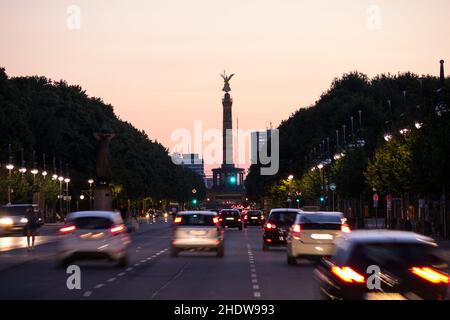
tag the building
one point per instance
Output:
(191, 161)
(260, 144)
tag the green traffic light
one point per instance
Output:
(194, 201)
(233, 179)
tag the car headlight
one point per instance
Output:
(6, 221)
(23, 220)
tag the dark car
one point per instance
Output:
(383, 265)
(277, 227)
(253, 218)
(13, 218)
(230, 218)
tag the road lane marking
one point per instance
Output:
(254, 280)
(257, 294)
(121, 274)
(129, 269)
(255, 287)
(137, 264)
(99, 286)
(87, 293)
(111, 279)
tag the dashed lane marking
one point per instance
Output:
(87, 293)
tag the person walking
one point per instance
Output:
(31, 227)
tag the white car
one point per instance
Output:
(313, 235)
(92, 235)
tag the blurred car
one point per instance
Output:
(409, 267)
(94, 235)
(231, 218)
(13, 218)
(253, 218)
(277, 227)
(198, 230)
(313, 235)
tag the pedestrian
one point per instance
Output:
(31, 227)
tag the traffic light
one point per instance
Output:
(322, 200)
(194, 201)
(233, 179)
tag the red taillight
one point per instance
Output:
(220, 219)
(216, 220)
(347, 274)
(117, 229)
(239, 219)
(345, 228)
(246, 217)
(177, 220)
(270, 226)
(296, 228)
(67, 229)
(430, 275)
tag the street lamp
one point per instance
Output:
(388, 137)
(90, 181)
(291, 177)
(9, 166)
(418, 125)
(67, 180)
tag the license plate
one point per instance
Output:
(384, 296)
(92, 235)
(230, 218)
(254, 218)
(318, 236)
(281, 238)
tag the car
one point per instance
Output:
(313, 234)
(197, 230)
(406, 265)
(277, 226)
(13, 218)
(94, 235)
(231, 218)
(254, 218)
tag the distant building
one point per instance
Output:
(259, 141)
(191, 161)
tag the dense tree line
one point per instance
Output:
(415, 162)
(60, 120)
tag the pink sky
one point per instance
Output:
(158, 62)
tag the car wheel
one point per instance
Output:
(122, 262)
(220, 252)
(173, 252)
(265, 247)
(292, 261)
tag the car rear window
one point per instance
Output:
(283, 218)
(230, 213)
(197, 220)
(93, 223)
(254, 213)
(321, 222)
(394, 255)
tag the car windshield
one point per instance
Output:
(197, 220)
(394, 255)
(283, 218)
(92, 223)
(13, 211)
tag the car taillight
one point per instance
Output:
(216, 220)
(117, 229)
(347, 274)
(246, 217)
(239, 219)
(430, 275)
(67, 229)
(345, 228)
(177, 220)
(296, 228)
(220, 219)
(270, 226)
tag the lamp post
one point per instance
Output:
(67, 180)
(22, 169)
(34, 171)
(60, 179)
(90, 181)
(290, 178)
(44, 172)
(9, 166)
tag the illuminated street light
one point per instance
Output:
(60, 178)
(54, 176)
(418, 125)
(291, 177)
(66, 180)
(23, 170)
(404, 131)
(82, 197)
(320, 166)
(34, 171)
(9, 166)
(44, 173)
(337, 156)
(388, 137)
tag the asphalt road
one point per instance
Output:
(245, 272)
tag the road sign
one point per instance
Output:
(376, 197)
(332, 187)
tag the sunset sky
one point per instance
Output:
(158, 62)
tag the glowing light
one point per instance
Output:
(430, 275)
(348, 274)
